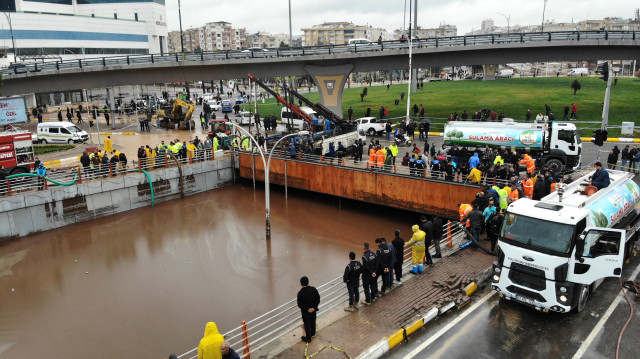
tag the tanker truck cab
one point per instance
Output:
(565, 147)
(554, 252)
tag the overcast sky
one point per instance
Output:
(273, 15)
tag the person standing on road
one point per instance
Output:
(574, 111)
(388, 129)
(359, 149)
(427, 227)
(385, 263)
(369, 276)
(308, 301)
(632, 156)
(398, 245)
(69, 117)
(624, 157)
(350, 113)
(417, 240)
(108, 147)
(476, 219)
(494, 223)
(60, 115)
(394, 152)
(437, 235)
(352, 278)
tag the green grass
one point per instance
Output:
(41, 149)
(511, 96)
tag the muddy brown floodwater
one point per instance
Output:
(143, 284)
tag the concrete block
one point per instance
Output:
(112, 183)
(137, 201)
(446, 307)
(92, 187)
(415, 326)
(224, 176)
(100, 204)
(121, 200)
(396, 338)
(375, 351)
(431, 314)
(20, 222)
(211, 180)
(133, 179)
(63, 192)
(39, 219)
(209, 166)
(172, 172)
(5, 226)
(470, 289)
(10, 203)
(36, 198)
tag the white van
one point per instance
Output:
(506, 73)
(581, 71)
(290, 118)
(61, 132)
(361, 45)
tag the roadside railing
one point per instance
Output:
(256, 334)
(466, 40)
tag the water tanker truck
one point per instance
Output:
(557, 144)
(554, 253)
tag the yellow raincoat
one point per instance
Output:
(209, 347)
(418, 244)
(108, 147)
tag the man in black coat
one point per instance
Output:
(352, 278)
(369, 275)
(398, 245)
(438, 230)
(308, 301)
(427, 227)
(385, 263)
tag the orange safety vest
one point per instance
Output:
(380, 155)
(514, 195)
(553, 187)
(372, 156)
(529, 162)
(464, 210)
(527, 188)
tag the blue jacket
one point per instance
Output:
(292, 150)
(332, 150)
(41, 171)
(473, 161)
(601, 179)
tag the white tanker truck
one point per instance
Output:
(554, 252)
(556, 144)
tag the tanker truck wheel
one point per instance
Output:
(583, 296)
(555, 165)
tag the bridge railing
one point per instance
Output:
(466, 40)
(254, 335)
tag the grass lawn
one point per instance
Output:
(40, 149)
(511, 96)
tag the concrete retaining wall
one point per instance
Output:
(60, 206)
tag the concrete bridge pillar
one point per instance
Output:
(330, 81)
(489, 72)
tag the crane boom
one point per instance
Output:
(293, 107)
(318, 107)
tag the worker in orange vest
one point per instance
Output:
(527, 186)
(380, 157)
(464, 209)
(372, 156)
(514, 195)
(554, 185)
(529, 162)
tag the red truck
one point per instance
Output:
(16, 152)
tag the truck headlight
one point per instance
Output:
(563, 298)
(497, 270)
(563, 289)
(496, 278)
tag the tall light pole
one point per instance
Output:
(508, 21)
(267, 164)
(13, 41)
(180, 18)
(290, 31)
(544, 8)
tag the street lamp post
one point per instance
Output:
(267, 164)
(180, 18)
(508, 22)
(544, 8)
(13, 41)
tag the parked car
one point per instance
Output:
(244, 117)
(215, 105)
(371, 125)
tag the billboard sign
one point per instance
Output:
(13, 110)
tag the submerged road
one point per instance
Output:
(490, 327)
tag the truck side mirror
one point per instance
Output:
(580, 247)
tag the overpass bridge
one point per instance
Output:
(328, 65)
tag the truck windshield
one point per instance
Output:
(536, 233)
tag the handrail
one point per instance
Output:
(464, 40)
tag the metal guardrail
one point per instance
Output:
(470, 40)
(257, 333)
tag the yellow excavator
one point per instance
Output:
(180, 114)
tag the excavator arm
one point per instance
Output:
(293, 107)
(176, 113)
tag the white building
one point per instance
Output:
(70, 29)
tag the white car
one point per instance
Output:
(371, 125)
(215, 105)
(244, 117)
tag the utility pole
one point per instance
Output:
(414, 81)
(607, 97)
(290, 31)
(544, 8)
(180, 18)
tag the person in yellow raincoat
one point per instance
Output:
(191, 150)
(209, 347)
(418, 248)
(108, 147)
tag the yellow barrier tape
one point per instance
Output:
(307, 356)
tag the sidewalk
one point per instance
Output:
(356, 332)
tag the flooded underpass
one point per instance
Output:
(144, 283)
